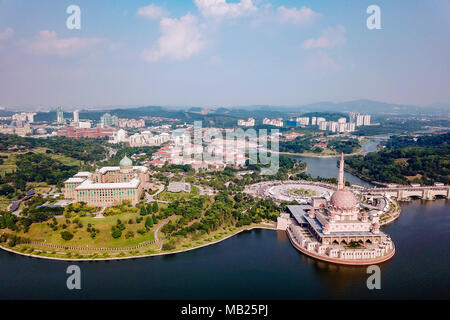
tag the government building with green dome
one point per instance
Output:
(109, 185)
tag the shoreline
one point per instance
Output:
(135, 257)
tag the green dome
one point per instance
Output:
(126, 162)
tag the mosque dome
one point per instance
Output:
(343, 199)
(126, 162)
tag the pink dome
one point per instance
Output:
(364, 214)
(343, 199)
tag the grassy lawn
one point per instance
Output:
(68, 161)
(9, 164)
(39, 187)
(42, 232)
(4, 203)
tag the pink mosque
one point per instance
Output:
(338, 230)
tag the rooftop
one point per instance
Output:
(107, 169)
(89, 184)
(74, 180)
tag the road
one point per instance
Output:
(150, 197)
(159, 228)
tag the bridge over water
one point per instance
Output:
(407, 192)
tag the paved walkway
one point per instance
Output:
(150, 197)
(99, 214)
(159, 228)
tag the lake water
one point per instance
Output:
(258, 264)
(328, 167)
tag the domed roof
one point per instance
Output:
(344, 199)
(126, 162)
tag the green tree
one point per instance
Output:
(66, 235)
(116, 233)
(149, 222)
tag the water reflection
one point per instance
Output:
(281, 236)
(328, 167)
(341, 277)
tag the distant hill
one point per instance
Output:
(271, 111)
(362, 105)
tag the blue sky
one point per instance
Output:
(222, 53)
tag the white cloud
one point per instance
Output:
(221, 9)
(48, 43)
(8, 33)
(180, 39)
(294, 15)
(330, 38)
(152, 12)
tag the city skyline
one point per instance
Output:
(222, 53)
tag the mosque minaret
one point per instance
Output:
(338, 230)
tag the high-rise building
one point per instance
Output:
(351, 127)
(76, 116)
(313, 121)
(359, 120)
(108, 120)
(366, 120)
(24, 117)
(332, 126)
(303, 121)
(249, 123)
(273, 122)
(322, 125)
(60, 115)
(342, 120)
(320, 119)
